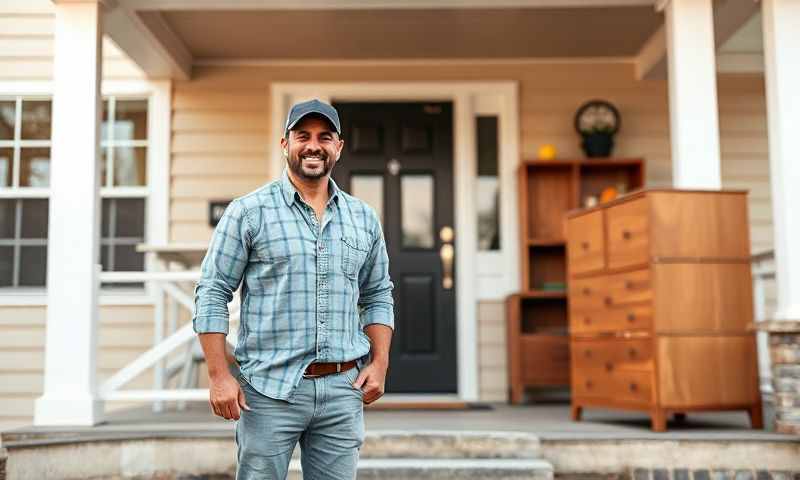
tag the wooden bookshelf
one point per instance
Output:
(538, 341)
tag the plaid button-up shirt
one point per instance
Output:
(307, 290)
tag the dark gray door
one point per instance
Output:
(398, 157)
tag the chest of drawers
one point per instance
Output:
(660, 300)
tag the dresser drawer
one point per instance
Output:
(545, 359)
(631, 317)
(587, 294)
(585, 245)
(628, 234)
(627, 288)
(613, 354)
(625, 386)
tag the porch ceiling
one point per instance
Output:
(410, 33)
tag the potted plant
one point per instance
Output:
(597, 121)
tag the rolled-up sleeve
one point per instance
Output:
(375, 303)
(222, 270)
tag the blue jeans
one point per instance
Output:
(327, 418)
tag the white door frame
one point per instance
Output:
(469, 99)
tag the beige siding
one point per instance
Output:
(125, 332)
(26, 46)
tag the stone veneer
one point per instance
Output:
(784, 350)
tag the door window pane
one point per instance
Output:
(6, 166)
(130, 166)
(130, 120)
(416, 191)
(34, 218)
(8, 117)
(368, 188)
(34, 167)
(36, 119)
(127, 259)
(33, 266)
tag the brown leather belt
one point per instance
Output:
(320, 369)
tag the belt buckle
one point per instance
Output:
(338, 368)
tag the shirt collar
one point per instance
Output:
(290, 193)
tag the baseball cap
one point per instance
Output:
(300, 110)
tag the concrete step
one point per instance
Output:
(450, 444)
(444, 468)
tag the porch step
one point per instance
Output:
(445, 468)
(450, 444)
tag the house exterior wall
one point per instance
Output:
(220, 149)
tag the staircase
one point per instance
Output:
(399, 455)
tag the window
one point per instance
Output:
(25, 132)
(488, 188)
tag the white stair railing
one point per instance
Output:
(167, 338)
(763, 270)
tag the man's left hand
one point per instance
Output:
(372, 381)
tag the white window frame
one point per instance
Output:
(159, 95)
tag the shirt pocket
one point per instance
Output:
(354, 254)
(269, 265)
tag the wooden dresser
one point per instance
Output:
(660, 299)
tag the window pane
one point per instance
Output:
(6, 166)
(130, 164)
(6, 266)
(8, 218)
(130, 217)
(105, 212)
(417, 211)
(34, 218)
(130, 120)
(105, 122)
(127, 259)
(369, 188)
(34, 167)
(488, 191)
(36, 119)
(33, 266)
(7, 119)
(105, 260)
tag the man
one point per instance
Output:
(317, 314)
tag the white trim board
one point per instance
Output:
(469, 99)
(373, 4)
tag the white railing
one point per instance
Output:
(168, 337)
(763, 267)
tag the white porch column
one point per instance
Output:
(694, 124)
(69, 385)
(782, 71)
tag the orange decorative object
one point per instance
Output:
(608, 194)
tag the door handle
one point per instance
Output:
(447, 253)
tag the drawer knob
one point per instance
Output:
(585, 245)
(608, 301)
(586, 291)
(609, 366)
(626, 234)
(589, 384)
(631, 317)
(634, 387)
(587, 320)
(632, 353)
(628, 285)
(587, 353)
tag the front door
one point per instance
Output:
(398, 157)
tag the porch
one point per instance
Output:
(607, 444)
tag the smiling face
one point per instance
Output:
(312, 148)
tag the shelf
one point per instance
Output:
(546, 242)
(545, 333)
(543, 294)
